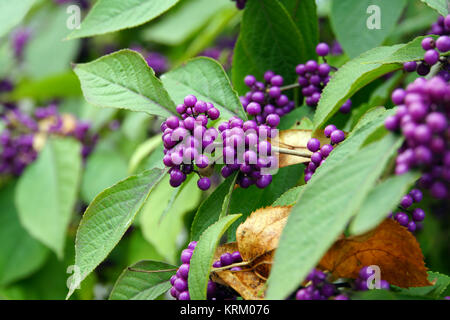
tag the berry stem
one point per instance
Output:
(292, 152)
(239, 264)
(290, 86)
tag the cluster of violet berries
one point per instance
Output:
(186, 140)
(17, 140)
(240, 4)
(417, 214)
(247, 150)
(265, 101)
(422, 117)
(320, 153)
(318, 288)
(433, 49)
(313, 78)
(179, 281)
(364, 274)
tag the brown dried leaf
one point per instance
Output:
(256, 239)
(296, 139)
(261, 231)
(390, 246)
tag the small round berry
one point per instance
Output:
(311, 66)
(326, 150)
(418, 214)
(190, 100)
(384, 285)
(402, 218)
(365, 273)
(398, 96)
(346, 106)
(407, 201)
(428, 43)
(184, 270)
(186, 255)
(268, 75)
(213, 113)
(184, 295)
(263, 181)
(273, 120)
(391, 123)
(431, 57)
(322, 49)
(416, 194)
(411, 226)
(443, 44)
(249, 80)
(254, 108)
(329, 130)
(204, 183)
(236, 257)
(200, 107)
(313, 144)
(337, 136)
(277, 81)
(226, 259)
(423, 69)
(410, 66)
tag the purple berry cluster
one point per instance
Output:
(20, 139)
(240, 4)
(320, 153)
(265, 101)
(422, 118)
(215, 291)
(365, 273)
(318, 288)
(417, 214)
(313, 77)
(188, 140)
(247, 150)
(433, 50)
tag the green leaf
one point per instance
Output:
(45, 208)
(106, 220)
(353, 143)
(213, 207)
(245, 201)
(133, 285)
(206, 79)
(440, 6)
(351, 20)
(383, 198)
(202, 259)
(20, 254)
(290, 197)
(270, 40)
(143, 151)
(12, 14)
(322, 212)
(62, 85)
(114, 15)
(359, 72)
(47, 53)
(124, 80)
(178, 25)
(435, 291)
(104, 167)
(161, 218)
(304, 15)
